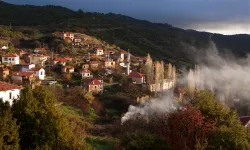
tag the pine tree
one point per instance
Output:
(9, 135)
(42, 126)
(149, 69)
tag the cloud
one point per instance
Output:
(196, 14)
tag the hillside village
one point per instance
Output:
(84, 80)
(98, 67)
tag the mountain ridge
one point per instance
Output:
(163, 41)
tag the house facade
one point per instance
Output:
(77, 41)
(23, 77)
(38, 59)
(67, 69)
(24, 67)
(86, 73)
(11, 58)
(99, 51)
(94, 86)
(159, 87)
(9, 92)
(136, 77)
(39, 73)
(60, 60)
(109, 64)
(40, 50)
(94, 65)
(68, 35)
(85, 66)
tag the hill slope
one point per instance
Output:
(161, 40)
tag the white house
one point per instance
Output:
(68, 35)
(9, 92)
(40, 50)
(4, 48)
(136, 78)
(86, 73)
(39, 73)
(161, 86)
(10, 58)
(99, 51)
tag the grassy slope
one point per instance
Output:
(97, 143)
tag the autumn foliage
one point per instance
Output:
(186, 127)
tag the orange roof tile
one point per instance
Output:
(10, 55)
(60, 59)
(23, 74)
(35, 69)
(135, 75)
(4, 86)
(86, 71)
(95, 82)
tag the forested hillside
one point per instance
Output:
(161, 40)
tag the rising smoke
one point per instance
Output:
(227, 76)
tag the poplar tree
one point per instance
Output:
(169, 71)
(174, 75)
(191, 81)
(149, 69)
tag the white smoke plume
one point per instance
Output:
(150, 107)
(227, 76)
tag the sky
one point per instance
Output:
(216, 16)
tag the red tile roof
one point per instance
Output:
(23, 74)
(10, 55)
(181, 90)
(35, 69)
(60, 59)
(95, 82)
(99, 48)
(4, 86)
(67, 57)
(85, 71)
(135, 75)
(244, 120)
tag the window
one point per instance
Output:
(41, 73)
(10, 95)
(95, 87)
(5, 59)
(13, 59)
(9, 59)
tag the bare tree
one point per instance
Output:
(169, 71)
